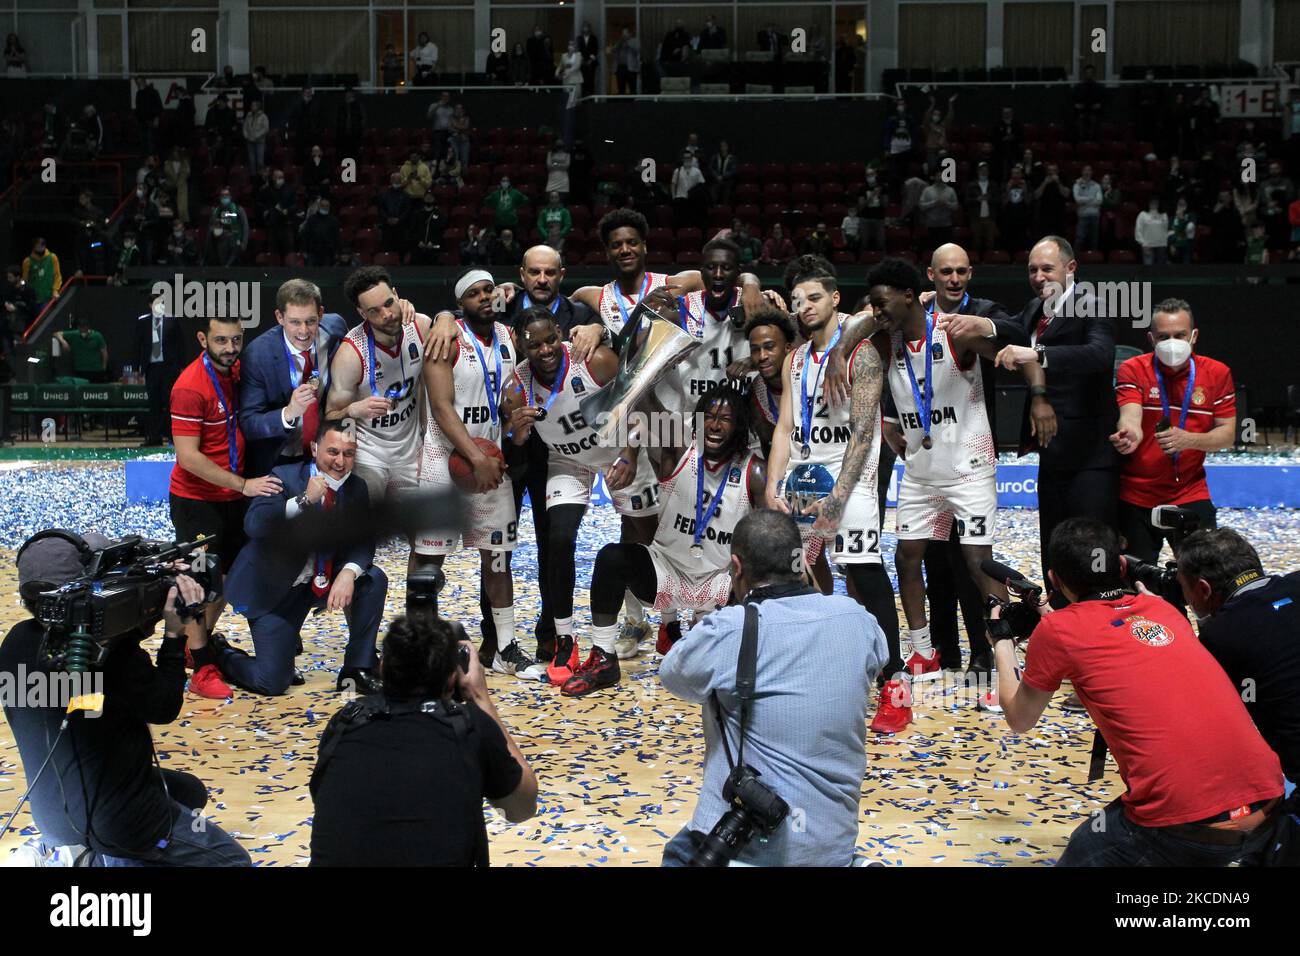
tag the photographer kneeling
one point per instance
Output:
(1250, 622)
(401, 776)
(794, 713)
(92, 773)
(1203, 786)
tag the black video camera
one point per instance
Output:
(1162, 580)
(422, 590)
(753, 807)
(121, 593)
(1020, 615)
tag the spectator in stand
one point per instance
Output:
(180, 249)
(504, 204)
(1246, 200)
(176, 174)
(347, 259)
(261, 82)
(128, 257)
(394, 206)
(712, 37)
(221, 125)
(305, 124)
(936, 132)
(589, 47)
(982, 195)
(1014, 216)
(900, 139)
(89, 351)
(1176, 182)
(1227, 235)
(554, 213)
(938, 205)
(688, 210)
(15, 56)
(872, 208)
(1276, 180)
(230, 215)
(54, 126)
(93, 125)
(818, 242)
(476, 247)
(569, 73)
(349, 126)
(221, 248)
(416, 176)
(140, 215)
(1049, 199)
(554, 239)
(19, 307)
(1087, 100)
(771, 40)
(913, 186)
(1111, 201)
(148, 112)
(674, 49)
(750, 248)
(227, 79)
(1257, 245)
(427, 228)
(518, 66)
(256, 127)
(1008, 141)
(558, 161)
(424, 61)
(851, 228)
(439, 115)
(693, 147)
(1033, 170)
(506, 251)
(1182, 233)
(88, 254)
(449, 171)
(1151, 233)
(41, 272)
(317, 174)
(390, 66)
(627, 61)
(541, 58)
(277, 205)
(722, 174)
(321, 236)
(496, 69)
(778, 250)
(1087, 201)
(460, 127)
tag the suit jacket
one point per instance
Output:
(265, 387)
(1080, 370)
(266, 569)
(173, 342)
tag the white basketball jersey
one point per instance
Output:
(721, 344)
(471, 398)
(766, 401)
(564, 429)
(676, 532)
(608, 304)
(394, 436)
(962, 443)
(830, 426)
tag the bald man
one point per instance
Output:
(541, 273)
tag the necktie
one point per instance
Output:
(325, 567)
(156, 355)
(1043, 323)
(311, 417)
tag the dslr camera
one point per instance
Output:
(1162, 580)
(122, 592)
(754, 807)
(422, 589)
(1018, 616)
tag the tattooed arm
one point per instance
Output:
(866, 377)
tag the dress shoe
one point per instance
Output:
(298, 680)
(217, 641)
(359, 680)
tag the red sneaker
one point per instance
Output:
(189, 659)
(924, 668)
(989, 702)
(894, 710)
(669, 634)
(207, 682)
(599, 670)
(565, 661)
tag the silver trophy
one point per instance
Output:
(654, 343)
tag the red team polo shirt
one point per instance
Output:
(1184, 742)
(1148, 476)
(195, 412)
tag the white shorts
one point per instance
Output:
(570, 483)
(490, 524)
(857, 541)
(679, 589)
(383, 479)
(928, 511)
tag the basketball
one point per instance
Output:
(462, 474)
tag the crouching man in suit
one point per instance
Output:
(276, 596)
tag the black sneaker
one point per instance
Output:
(512, 660)
(598, 671)
(565, 662)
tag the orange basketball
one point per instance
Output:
(462, 475)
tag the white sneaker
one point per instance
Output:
(512, 660)
(628, 643)
(989, 702)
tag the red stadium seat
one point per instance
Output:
(843, 258)
(690, 237)
(295, 260)
(688, 257)
(747, 193)
(747, 173)
(719, 217)
(266, 259)
(387, 259)
(658, 259)
(1092, 258)
(997, 257)
(449, 259)
(872, 256)
(594, 259)
(659, 236)
(803, 193)
(1021, 257)
(746, 213)
(580, 215)
(366, 240)
(772, 172)
(1122, 257)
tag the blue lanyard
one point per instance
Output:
(393, 391)
(295, 377)
(1187, 395)
(923, 402)
(965, 300)
(702, 517)
(528, 303)
(232, 429)
(557, 386)
(808, 400)
(618, 299)
(320, 555)
(491, 380)
(772, 405)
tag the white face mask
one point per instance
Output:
(158, 310)
(1173, 352)
(334, 483)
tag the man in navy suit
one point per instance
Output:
(276, 594)
(1068, 417)
(159, 356)
(284, 378)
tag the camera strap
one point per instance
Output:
(746, 676)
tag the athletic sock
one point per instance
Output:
(668, 616)
(920, 638)
(635, 609)
(504, 620)
(563, 627)
(604, 637)
(203, 655)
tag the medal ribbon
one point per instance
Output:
(702, 517)
(965, 300)
(370, 343)
(618, 298)
(491, 380)
(1187, 397)
(923, 402)
(808, 400)
(557, 386)
(232, 428)
(528, 303)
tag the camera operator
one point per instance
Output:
(805, 732)
(1249, 621)
(100, 788)
(1203, 786)
(400, 778)
(1173, 408)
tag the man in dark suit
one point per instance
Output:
(1068, 417)
(159, 354)
(771, 40)
(276, 594)
(284, 378)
